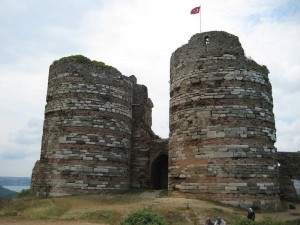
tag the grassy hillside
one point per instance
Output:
(6, 193)
(111, 209)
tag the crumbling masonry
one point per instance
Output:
(222, 128)
(97, 133)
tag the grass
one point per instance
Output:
(35, 208)
(113, 208)
(107, 216)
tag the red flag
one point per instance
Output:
(195, 10)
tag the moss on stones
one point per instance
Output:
(82, 59)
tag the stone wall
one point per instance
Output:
(89, 135)
(141, 136)
(39, 178)
(222, 129)
(289, 169)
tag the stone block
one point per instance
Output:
(223, 154)
(211, 134)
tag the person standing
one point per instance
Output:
(251, 214)
(219, 221)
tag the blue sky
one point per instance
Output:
(137, 37)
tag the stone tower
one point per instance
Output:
(222, 129)
(97, 131)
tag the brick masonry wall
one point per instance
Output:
(39, 178)
(222, 129)
(86, 141)
(141, 137)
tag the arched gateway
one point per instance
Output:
(159, 172)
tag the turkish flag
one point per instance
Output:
(195, 10)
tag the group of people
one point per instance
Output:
(219, 221)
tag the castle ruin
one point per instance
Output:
(222, 129)
(97, 133)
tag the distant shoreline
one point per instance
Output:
(16, 188)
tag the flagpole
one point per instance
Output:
(200, 18)
(197, 10)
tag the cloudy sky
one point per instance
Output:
(137, 37)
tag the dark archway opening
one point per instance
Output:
(159, 172)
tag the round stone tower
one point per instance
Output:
(222, 129)
(87, 129)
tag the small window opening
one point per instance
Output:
(206, 40)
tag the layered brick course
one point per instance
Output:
(222, 129)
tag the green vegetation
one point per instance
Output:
(144, 216)
(107, 216)
(295, 222)
(26, 193)
(77, 58)
(49, 211)
(6, 193)
(99, 64)
(135, 205)
(265, 221)
(3, 202)
(28, 206)
(97, 215)
(269, 221)
(243, 221)
(82, 59)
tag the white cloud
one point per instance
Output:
(288, 131)
(21, 149)
(17, 167)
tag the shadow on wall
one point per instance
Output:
(159, 172)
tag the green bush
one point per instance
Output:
(77, 58)
(82, 59)
(143, 217)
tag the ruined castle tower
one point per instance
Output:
(96, 133)
(222, 128)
